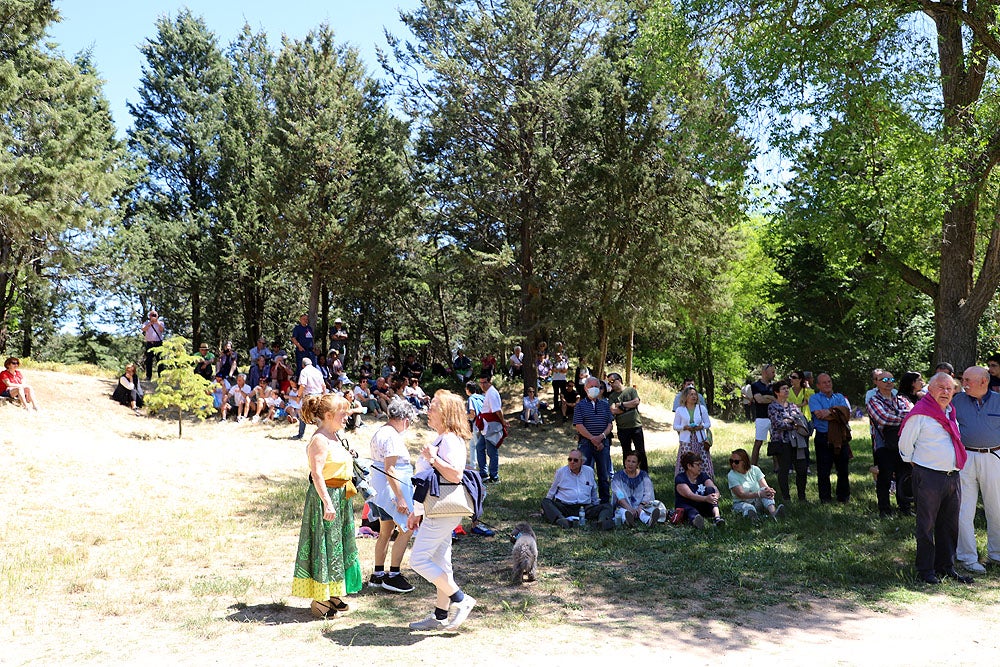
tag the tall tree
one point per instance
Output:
(178, 123)
(58, 168)
(897, 101)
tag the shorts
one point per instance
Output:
(377, 512)
(763, 428)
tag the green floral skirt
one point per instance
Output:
(326, 564)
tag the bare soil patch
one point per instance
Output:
(120, 544)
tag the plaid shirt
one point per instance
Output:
(888, 411)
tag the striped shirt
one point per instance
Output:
(594, 415)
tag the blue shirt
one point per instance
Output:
(978, 420)
(820, 401)
(304, 336)
(594, 415)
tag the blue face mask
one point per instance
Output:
(594, 392)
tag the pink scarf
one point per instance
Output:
(929, 407)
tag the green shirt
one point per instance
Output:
(629, 419)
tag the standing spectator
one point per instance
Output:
(228, 363)
(152, 331)
(431, 555)
(474, 403)
(462, 366)
(205, 363)
(787, 447)
(311, 384)
(515, 363)
(260, 350)
(128, 391)
(830, 413)
(393, 500)
(338, 337)
(911, 385)
(592, 420)
(886, 409)
(488, 364)
(560, 370)
(977, 410)
(492, 426)
(678, 398)
(303, 340)
(625, 407)
(931, 442)
(691, 421)
(762, 398)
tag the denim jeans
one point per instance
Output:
(600, 461)
(484, 448)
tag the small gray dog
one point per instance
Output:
(524, 555)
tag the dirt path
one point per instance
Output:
(122, 545)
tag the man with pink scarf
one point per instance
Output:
(930, 441)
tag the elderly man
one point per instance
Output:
(886, 410)
(573, 490)
(978, 413)
(592, 419)
(930, 441)
(831, 413)
(625, 407)
(762, 399)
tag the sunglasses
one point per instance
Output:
(888, 380)
(15, 363)
(735, 462)
(571, 459)
(793, 377)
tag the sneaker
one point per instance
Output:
(698, 522)
(480, 530)
(396, 583)
(974, 566)
(779, 512)
(720, 522)
(375, 581)
(254, 419)
(240, 419)
(463, 609)
(429, 623)
(630, 517)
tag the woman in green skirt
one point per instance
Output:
(326, 564)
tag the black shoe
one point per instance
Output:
(375, 581)
(929, 578)
(954, 574)
(396, 583)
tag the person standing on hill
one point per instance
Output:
(762, 399)
(152, 331)
(303, 340)
(492, 427)
(592, 420)
(625, 407)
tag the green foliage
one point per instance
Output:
(179, 388)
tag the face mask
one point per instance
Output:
(594, 392)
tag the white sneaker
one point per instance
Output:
(254, 419)
(974, 566)
(429, 623)
(463, 609)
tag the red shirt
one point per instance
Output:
(8, 378)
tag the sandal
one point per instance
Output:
(321, 609)
(339, 604)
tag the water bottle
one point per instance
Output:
(583, 518)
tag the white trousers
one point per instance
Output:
(980, 474)
(431, 553)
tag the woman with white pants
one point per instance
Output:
(431, 554)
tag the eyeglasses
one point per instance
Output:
(793, 377)
(15, 363)
(887, 380)
(735, 462)
(571, 459)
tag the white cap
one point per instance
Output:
(338, 321)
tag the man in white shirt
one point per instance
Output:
(574, 488)
(311, 381)
(240, 397)
(492, 428)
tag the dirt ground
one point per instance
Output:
(110, 543)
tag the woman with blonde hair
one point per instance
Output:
(326, 564)
(431, 555)
(691, 421)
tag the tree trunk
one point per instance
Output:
(603, 332)
(709, 370)
(196, 316)
(324, 324)
(315, 285)
(180, 423)
(629, 355)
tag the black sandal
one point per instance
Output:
(339, 604)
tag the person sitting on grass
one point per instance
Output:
(574, 490)
(696, 493)
(128, 391)
(751, 494)
(632, 490)
(531, 414)
(220, 393)
(261, 393)
(12, 384)
(239, 397)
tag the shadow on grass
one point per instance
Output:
(817, 567)
(369, 634)
(270, 614)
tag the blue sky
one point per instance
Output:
(114, 30)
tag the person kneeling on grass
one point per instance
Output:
(751, 494)
(696, 493)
